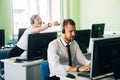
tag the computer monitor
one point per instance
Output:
(82, 37)
(20, 33)
(106, 53)
(97, 30)
(38, 44)
(2, 38)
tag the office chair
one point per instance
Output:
(44, 70)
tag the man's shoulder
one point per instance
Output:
(55, 41)
(74, 42)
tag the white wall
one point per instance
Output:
(100, 11)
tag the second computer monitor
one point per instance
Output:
(97, 30)
(20, 33)
(105, 58)
(2, 38)
(38, 44)
(82, 37)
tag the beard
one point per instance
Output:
(70, 39)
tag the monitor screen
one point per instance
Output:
(105, 53)
(82, 37)
(2, 38)
(38, 44)
(20, 33)
(97, 30)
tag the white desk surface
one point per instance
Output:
(105, 37)
(3, 49)
(75, 74)
(83, 78)
(26, 70)
(23, 63)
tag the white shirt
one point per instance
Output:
(58, 56)
(23, 42)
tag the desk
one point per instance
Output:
(27, 70)
(84, 78)
(76, 77)
(91, 42)
(3, 55)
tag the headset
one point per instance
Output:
(65, 22)
(33, 18)
(63, 30)
(31, 21)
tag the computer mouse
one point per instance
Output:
(18, 60)
(70, 76)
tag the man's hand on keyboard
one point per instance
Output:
(84, 68)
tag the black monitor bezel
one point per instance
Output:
(32, 46)
(2, 38)
(97, 30)
(96, 69)
(83, 37)
(20, 32)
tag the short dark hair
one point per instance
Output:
(33, 18)
(66, 21)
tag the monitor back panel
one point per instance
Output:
(2, 37)
(38, 44)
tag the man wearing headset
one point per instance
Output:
(36, 27)
(58, 58)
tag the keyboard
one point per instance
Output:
(84, 74)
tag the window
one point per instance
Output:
(20, 14)
(49, 10)
(44, 10)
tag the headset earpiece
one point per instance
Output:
(63, 30)
(32, 21)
